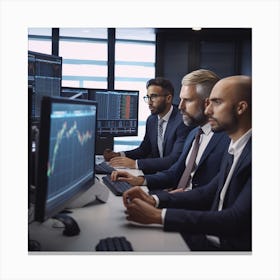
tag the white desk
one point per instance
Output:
(101, 220)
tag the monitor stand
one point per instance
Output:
(97, 192)
(104, 142)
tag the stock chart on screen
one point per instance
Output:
(71, 149)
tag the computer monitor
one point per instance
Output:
(117, 112)
(66, 154)
(44, 78)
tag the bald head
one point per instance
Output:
(238, 87)
(230, 105)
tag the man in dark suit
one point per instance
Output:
(196, 88)
(162, 145)
(217, 216)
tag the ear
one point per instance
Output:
(241, 107)
(169, 98)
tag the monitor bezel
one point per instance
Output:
(104, 134)
(42, 213)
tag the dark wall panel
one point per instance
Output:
(175, 64)
(226, 51)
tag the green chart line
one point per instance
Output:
(82, 139)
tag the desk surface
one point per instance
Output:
(100, 220)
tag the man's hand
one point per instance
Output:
(123, 161)
(141, 212)
(137, 192)
(109, 154)
(127, 177)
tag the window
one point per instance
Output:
(84, 53)
(134, 66)
(39, 40)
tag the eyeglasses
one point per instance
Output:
(152, 97)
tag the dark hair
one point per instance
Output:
(161, 82)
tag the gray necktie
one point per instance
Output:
(185, 178)
(160, 136)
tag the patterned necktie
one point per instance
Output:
(160, 136)
(185, 178)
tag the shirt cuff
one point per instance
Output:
(136, 164)
(122, 154)
(163, 211)
(145, 181)
(156, 199)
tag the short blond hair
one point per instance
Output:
(203, 79)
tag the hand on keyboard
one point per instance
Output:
(117, 187)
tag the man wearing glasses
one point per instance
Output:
(165, 133)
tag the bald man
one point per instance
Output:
(217, 216)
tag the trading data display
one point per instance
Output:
(71, 149)
(44, 77)
(117, 112)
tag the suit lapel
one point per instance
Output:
(190, 139)
(222, 174)
(154, 133)
(211, 145)
(169, 127)
(245, 157)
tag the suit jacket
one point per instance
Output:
(147, 154)
(207, 168)
(195, 211)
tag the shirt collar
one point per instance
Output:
(167, 115)
(206, 129)
(238, 146)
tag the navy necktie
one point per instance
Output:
(229, 161)
(228, 166)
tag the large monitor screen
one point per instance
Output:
(117, 111)
(44, 78)
(66, 153)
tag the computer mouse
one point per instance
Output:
(71, 226)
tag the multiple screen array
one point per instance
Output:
(66, 153)
(118, 109)
(118, 114)
(69, 125)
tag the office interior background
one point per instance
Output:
(248, 13)
(126, 58)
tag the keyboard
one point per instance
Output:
(118, 188)
(104, 168)
(114, 244)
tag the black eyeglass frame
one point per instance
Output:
(153, 97)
